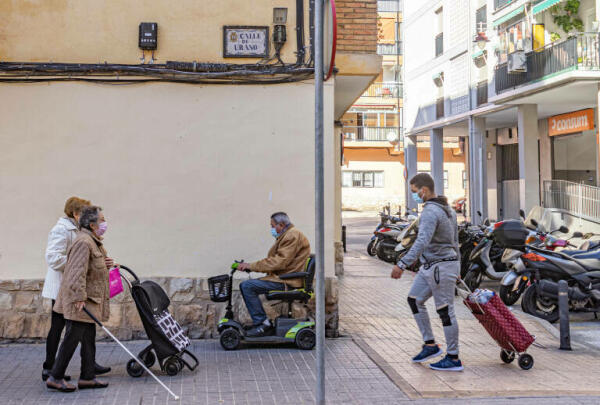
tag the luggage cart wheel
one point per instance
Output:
(525, 361)
(134, 369)
(172, 366)
(507, 357)
(149, 359)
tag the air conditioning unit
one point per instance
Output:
(517, 62)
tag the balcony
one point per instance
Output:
(439, 44)
(392, 6)
(501, 3)
(384, 90)
(371, 134)
(439, 108)
(579, 52)
(390, 49)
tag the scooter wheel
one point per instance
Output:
(507, 357)
(230, 339)
(473, 279)
(172, 366)
(134, 369)
(306, 339)
(526, 361)
(371, 248)
(149, 359)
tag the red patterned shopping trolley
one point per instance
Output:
(504, 328)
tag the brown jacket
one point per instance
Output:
(85, 279)
(287, 255)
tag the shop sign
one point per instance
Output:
(570, 123)
(245, 42)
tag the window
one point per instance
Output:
(445, 179)
(516, 37)
(439, 30)
(346, 179)
(464, 179)
(360, 179)
(481, 19)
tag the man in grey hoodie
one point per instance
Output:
(437, 247)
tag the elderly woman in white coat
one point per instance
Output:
(60, 239)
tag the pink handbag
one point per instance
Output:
(114, 281)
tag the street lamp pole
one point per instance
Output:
(319, 205)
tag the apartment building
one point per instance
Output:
(521, 87)
(373, 172)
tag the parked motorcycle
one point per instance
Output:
(469, 237)
(581, 270)
(385, 220)
(405, 241)
(516, 280)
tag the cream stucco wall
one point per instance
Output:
(187, 175)
(91, 31)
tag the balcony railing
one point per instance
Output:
(439, 108)
(439, 44)
(482, 93)
(389, 5)
(390, 49)
(384, 90)
(576, 52)
(365, 134)
(501, 3)
(576, 199)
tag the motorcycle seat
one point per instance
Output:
(590, 259)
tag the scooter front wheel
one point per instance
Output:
(508, 295)
(371, 248)
(230, 339)
(473, 279)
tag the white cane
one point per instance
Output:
(141, 363)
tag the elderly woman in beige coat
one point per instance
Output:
(84, 283)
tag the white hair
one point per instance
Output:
(281, 218)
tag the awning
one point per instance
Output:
(544, 5)
(509, 16)
(478, 54)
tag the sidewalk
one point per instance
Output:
(374, 312)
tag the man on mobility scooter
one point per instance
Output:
(288, 254)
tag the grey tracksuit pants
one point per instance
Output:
(438, 281)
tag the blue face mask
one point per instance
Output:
(274, 233)
(417, 198)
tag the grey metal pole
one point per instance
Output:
(563, 308)
(319, 204)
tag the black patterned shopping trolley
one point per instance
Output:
(168, 340)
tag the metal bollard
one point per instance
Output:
(344, 237)
(563, 307)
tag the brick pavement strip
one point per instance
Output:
(373, 310)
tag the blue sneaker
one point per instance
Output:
(427, 353)
(447, 364)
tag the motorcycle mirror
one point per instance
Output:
(534, 223)
(563, 229)
(479, 213)
(577, 235)
(522, 214)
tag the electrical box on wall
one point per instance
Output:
(148, 38)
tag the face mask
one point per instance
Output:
(417, 198)
(101, 228)
(274, 233)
